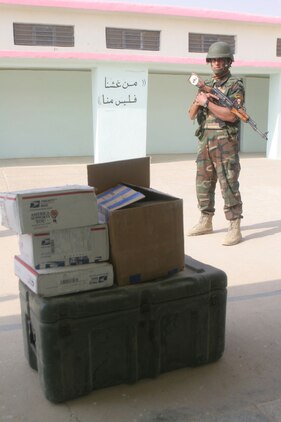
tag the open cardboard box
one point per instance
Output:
(146, 238)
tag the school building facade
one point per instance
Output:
(110, 80)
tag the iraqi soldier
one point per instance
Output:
(218, 146)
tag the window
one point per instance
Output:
(278, 47)
(48, 35)
(200, 43)
(132, 39)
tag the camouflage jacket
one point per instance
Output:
(233, 88)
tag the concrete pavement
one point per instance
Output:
(245, 385)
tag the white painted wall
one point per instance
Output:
(49, 113)
(169, 130)
(256, 103)
(119, 113)
(274, 118)
(255, 41)
(45, 113)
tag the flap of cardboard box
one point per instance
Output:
(106, 175)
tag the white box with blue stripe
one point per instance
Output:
(114, 198)
(52, 208)
(59, 248)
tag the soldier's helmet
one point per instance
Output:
(220, 50)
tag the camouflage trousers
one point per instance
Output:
(218, 159)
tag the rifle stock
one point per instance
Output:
(223, 100)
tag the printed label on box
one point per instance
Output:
(60, 281)
(36, 210)
(80, 245)
(115, 198)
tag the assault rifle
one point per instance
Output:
(223, 100)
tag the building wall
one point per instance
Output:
(45, 113)
(169, 129)
(49, 113)
(90, 32)
(257, 93)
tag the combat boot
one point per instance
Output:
(233, 235)
(204, 226)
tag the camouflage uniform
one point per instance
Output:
(217, 157)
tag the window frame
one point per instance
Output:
(34, 35)
(205, 40)
(132, 39)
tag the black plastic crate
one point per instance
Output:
(90, 340)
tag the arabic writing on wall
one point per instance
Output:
(122, 93)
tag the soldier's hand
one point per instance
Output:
(201, 98)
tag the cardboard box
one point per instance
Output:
(64, 280)
(146, 238)
(58, 248)
(38, 210)
(114, 198)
